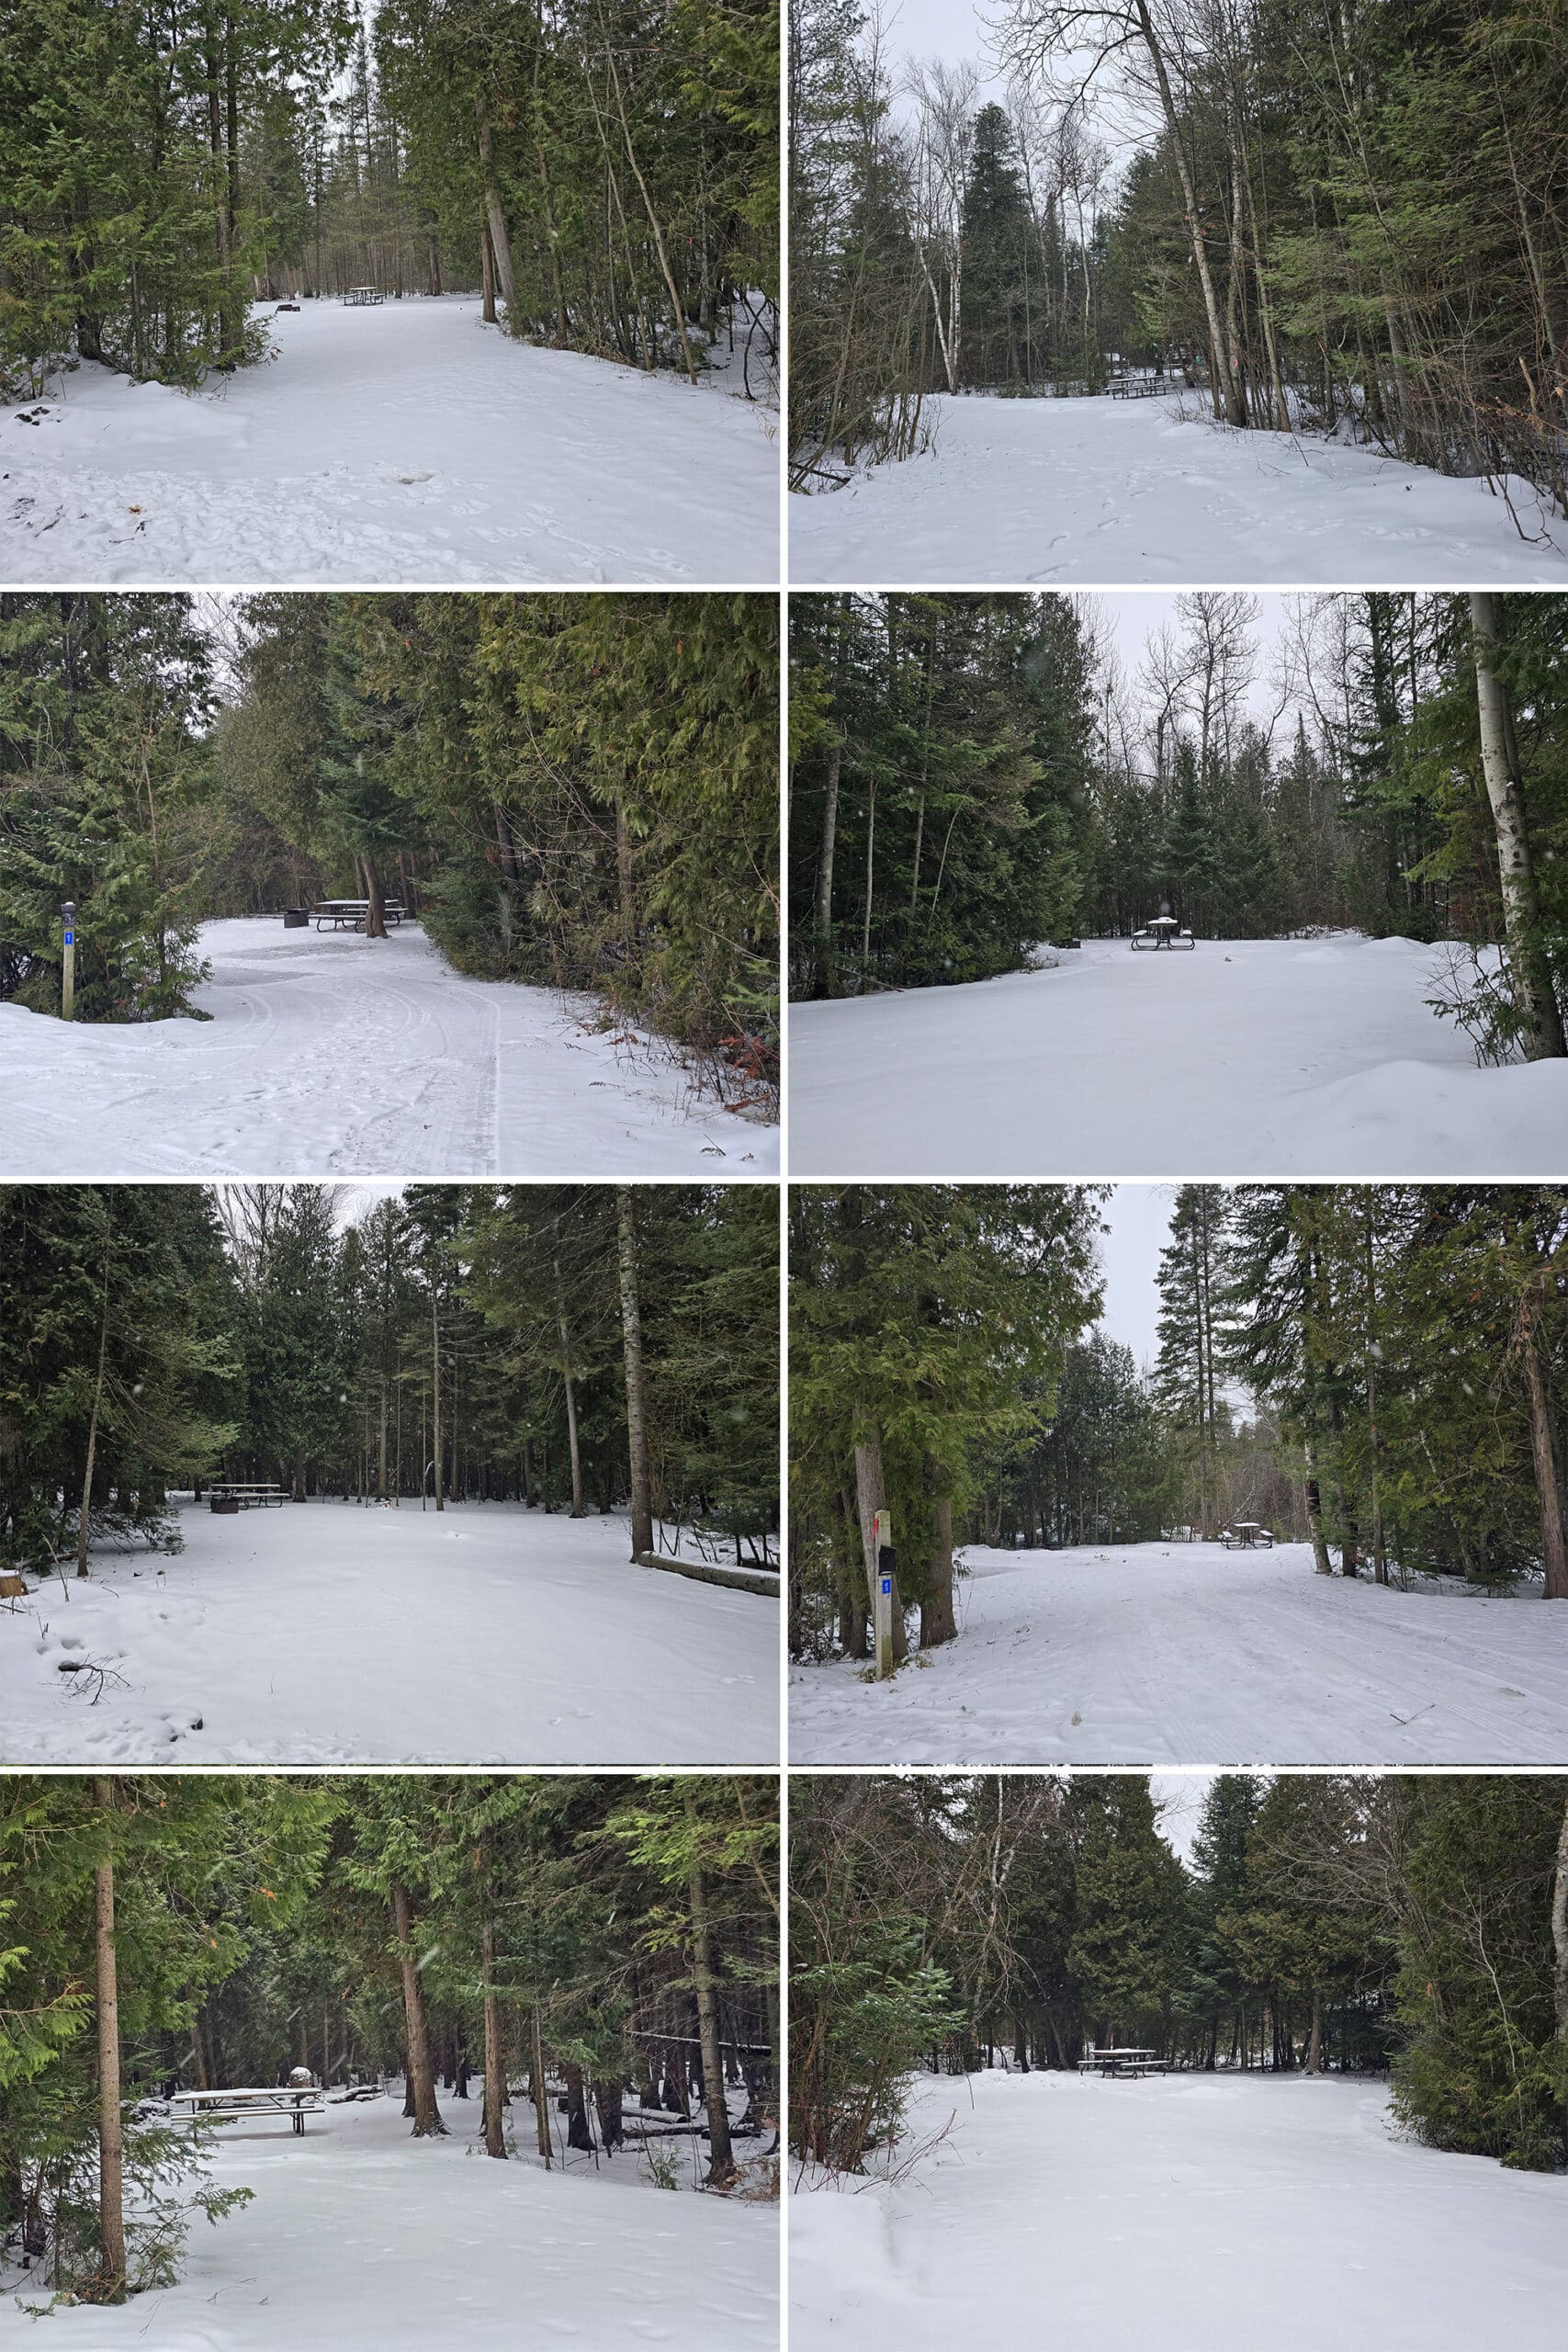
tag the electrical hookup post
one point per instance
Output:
(882, 1598)
(68, 961)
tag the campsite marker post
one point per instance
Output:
(882, 1598)
(68, 964)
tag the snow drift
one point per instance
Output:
(1265, 1057)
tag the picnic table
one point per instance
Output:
(1247, 1536)
(227, 1495)
(352, 914)
(1163, 930)
(361, 297)
(296, 2102)
(1126, 2065)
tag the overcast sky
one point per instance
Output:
(1180, 1797)
(1136, 614)
(1138, 1216)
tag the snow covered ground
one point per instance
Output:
(1189, 2213)
(359, 2240)
(330, 1054)
(1270, 1057)
(331, 1633)
(1097, 490)
(1187, 1653)
(405, 443)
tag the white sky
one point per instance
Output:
(1138, 1216)
(944, 28)
(1135, 614)
(1180, 1797)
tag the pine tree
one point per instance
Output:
(1192, 1333)
(1128, 1934)
(994, 232)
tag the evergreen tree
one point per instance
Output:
(995, 232)
(1192, 1334)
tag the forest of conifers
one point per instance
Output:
(972, 775)
(1344, 218)
(1380, 1369)
(607, 170)
(572, 1347)
(604, 1947)
(947, 1922)
(577, 790)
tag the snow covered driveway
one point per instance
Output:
(330, 1054)
(329, 1634)
(1269, 1057)
(1192, 2213)
(1093, 491)
(409, 443)
(360, 2239)
(1186, 1654)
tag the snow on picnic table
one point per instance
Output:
(1187, 1653)
(1223, 2213)
(406, 443)
(1269, 1057)
(360, 2239)
(331, 1633)
(1094, 489)
(328, 1054)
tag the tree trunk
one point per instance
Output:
(1534, 999)
(541, 2096)
(578, 2135)
(1314, 2046)
(631, 1334)
(496, 218)
(1560, 1934)
(436, 1394)
(1379, 1561)
(607, 2105)
(376, 912)
(1543, 1456)
(870, 1496)
(111, 2158)
(938, 1623)
(1322, 1565)
(721, 2164)
(1224, 365)
(677, 309)
(490, 314)
(93, 1433)
(825, 869)
(495, 2066)
(427, 2120)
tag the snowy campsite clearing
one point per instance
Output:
(1314, 1058)
(400, 442)
(329, 1633)
(1188, 1653)
(328, 1054)
(353, 2237)
(1225, 2210)
(1091, 489)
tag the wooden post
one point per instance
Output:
(68, 963)
(882, 1595)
